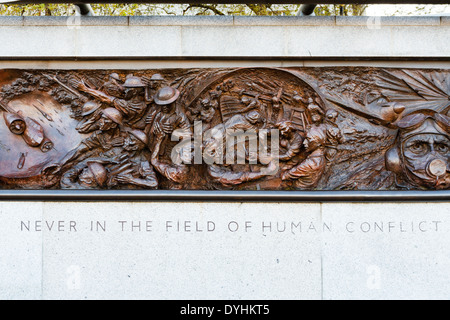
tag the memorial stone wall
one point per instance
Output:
(224, 157)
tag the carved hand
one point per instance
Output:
(79, 84)
(167, 128)
(124, 178)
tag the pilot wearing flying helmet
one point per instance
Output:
(420, 156)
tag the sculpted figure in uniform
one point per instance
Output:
(308, 172)
(153, 84)
(290, 140)
(91, 113)
(123, 165)
(176, 170)
(334, 134)
(133, 106)
(161, 123)
(162, 127)
(88, 174)
(92, 110)
(132, 166)
(113, 86)
(214, 151)
(102, 140)
(421, 154)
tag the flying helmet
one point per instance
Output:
(420, 122)
(425, 121)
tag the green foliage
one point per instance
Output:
(339, 9)
(178, 9)
(420, 9)
(36, 10)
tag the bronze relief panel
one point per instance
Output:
(333, 128)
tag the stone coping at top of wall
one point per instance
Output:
(228, 20)
(224, 37)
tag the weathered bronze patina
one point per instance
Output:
(347, 128)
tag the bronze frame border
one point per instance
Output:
(229, 195)
(222, 196)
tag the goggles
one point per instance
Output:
(414, 121)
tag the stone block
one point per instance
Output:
(21, 250)
(190, 250)
(386, 251)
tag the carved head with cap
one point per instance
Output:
(166, 97)
(136, 140)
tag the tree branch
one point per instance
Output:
(207, 7)
(259, 9)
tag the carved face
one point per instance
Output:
(153, 84)
(205, 104)
(167, 108)
(87, 178)
(426, 158)
(332, 115)
(213, 151)
(316, 117)
(315, 138)
(131, 143)
(285, 130)
(245, 100)
(106, 123)
(309, 143)
(132, 92)
(114, 90)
